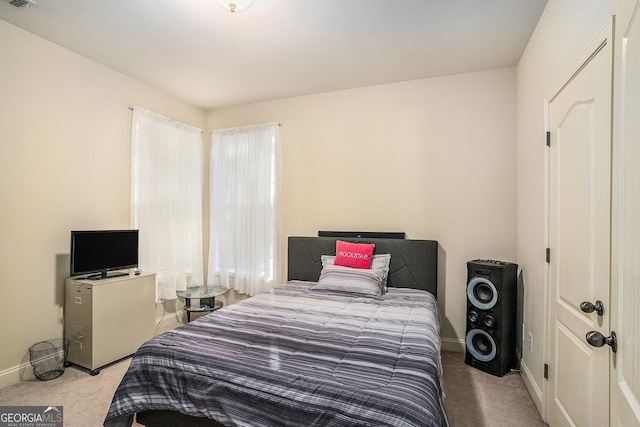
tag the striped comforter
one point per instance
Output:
(296, 357)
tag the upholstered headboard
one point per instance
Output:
(414, 263)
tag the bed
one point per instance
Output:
(306, 353)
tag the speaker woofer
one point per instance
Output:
(482, 293)
(481, 345)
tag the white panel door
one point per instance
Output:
(625, 283)
(579, 239)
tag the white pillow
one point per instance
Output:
(377, 262)
(356, 281)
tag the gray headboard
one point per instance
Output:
(414, 263)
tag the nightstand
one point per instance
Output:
(207, 296)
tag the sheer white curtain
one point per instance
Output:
(244, 245)
(167, 200)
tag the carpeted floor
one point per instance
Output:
(477, 399)
(474, 398)
(84, 399)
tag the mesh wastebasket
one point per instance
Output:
(49, 358)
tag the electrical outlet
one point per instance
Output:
(530, 342)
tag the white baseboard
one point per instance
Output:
(14, 375)
(453, 344)
(170, 320)
(532, 387)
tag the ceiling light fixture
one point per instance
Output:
(235, 5)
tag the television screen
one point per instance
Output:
(100, 251)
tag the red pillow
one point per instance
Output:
(355, 255)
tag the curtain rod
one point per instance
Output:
(242, 127)
(279, 124)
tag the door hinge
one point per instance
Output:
(546, 371)
(548, 255)
(548, 139)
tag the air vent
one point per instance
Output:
(22, 3)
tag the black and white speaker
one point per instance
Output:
(491, 316)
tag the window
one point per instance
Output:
(167, 200)
(245, 208)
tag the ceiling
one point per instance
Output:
(210, 57)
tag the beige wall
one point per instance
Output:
(434, 158)
(564, 30)
(64, 160)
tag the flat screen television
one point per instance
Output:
(96, 252)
